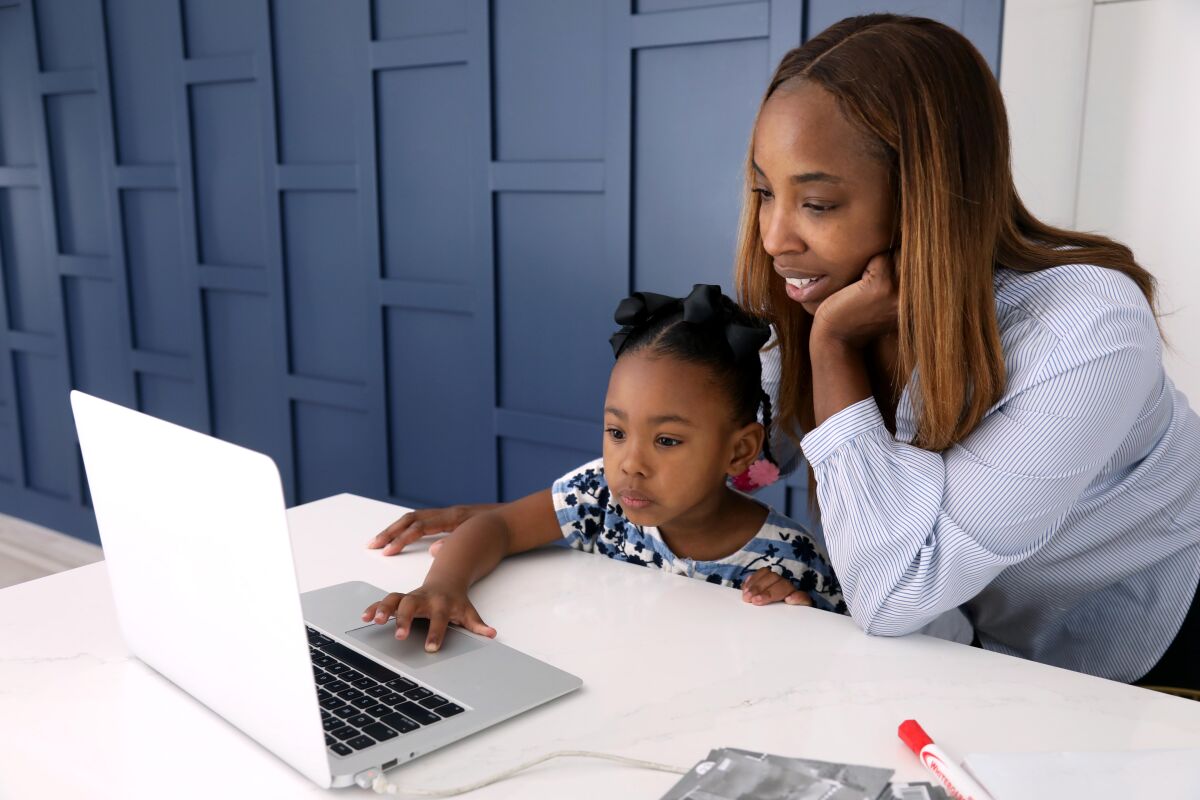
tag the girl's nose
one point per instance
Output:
(632, 462)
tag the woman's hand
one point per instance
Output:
(862, 311)
(765, 586)
(424, 522)
(438, 603)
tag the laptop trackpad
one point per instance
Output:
(411, 651)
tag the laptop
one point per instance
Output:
(198, 552)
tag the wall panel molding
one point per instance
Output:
(70, 81)
(146, 177)
(380, 242)
(18, 176)
(220, 69)
(421, 51)
(316, 177)
(547, 176)
(339, 394)
(699, 25)
(548, 430)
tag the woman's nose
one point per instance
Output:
(779, 234)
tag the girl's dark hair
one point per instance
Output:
(705, 328)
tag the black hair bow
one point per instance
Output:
(706, 305)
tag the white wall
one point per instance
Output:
(1104, 103)
(1043, 75)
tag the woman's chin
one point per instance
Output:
(809, 300)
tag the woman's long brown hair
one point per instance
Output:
(926, 99)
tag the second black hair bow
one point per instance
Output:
(635, 311)
(706, 305)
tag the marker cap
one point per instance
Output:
(913, 735)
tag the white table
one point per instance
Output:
(671, 668)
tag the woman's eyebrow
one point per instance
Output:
(807, 177)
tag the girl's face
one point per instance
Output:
(826, 201)
(670, 439)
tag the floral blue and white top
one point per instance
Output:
(593, 522)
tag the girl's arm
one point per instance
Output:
(468, 554)
(425, 522)
(478, 545)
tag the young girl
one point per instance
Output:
(680, 420)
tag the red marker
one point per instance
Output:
(958, 783)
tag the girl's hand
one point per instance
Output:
(862, 311)
(439, 604)
(424, 522)
(765, 586)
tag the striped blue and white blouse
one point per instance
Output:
(1067, 524)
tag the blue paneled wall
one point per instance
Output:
(380, 242)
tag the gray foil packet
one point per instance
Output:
(732, 774)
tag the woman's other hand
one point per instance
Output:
(765, 586)
(423, 522)
(438, 603)
(864, 310)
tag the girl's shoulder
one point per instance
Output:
(587, 479)
(784, 545)
(781, 528)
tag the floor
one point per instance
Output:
(29, 551)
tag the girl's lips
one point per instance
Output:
(634, 500)
(805, 293)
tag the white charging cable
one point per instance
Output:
(375, 780)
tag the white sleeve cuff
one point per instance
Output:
(847, 424)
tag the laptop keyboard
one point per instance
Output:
(363, 702)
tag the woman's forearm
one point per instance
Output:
(839, 375)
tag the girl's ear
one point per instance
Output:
(747, 444)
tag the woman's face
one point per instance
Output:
(826, 200)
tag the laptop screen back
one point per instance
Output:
(197, 549)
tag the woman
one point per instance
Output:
(981, 396)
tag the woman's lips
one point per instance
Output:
(634, 500)
(803, 290)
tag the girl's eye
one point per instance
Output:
(667, 441)
(616, 434)
(764, 194)
(817, 208)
